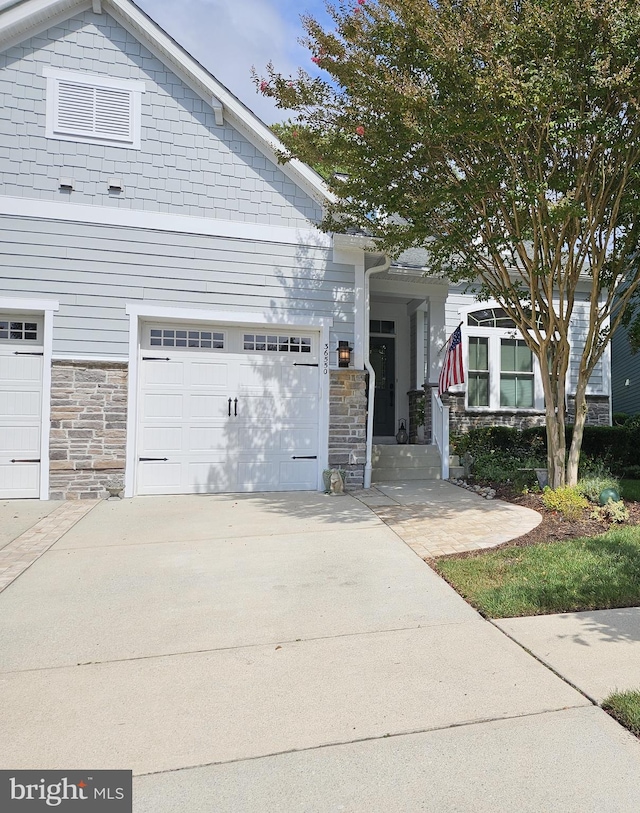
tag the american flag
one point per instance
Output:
(452, 370)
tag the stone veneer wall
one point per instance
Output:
(597, 410)
(348, 423)
(461, 420)
(88, 427)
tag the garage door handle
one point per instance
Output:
(26, 461)
(154, 358)
(235, 407)
(305, 457)
(229, 407)
(26, 353)
(149, 459)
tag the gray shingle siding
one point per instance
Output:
(95, 270)
(186, 165)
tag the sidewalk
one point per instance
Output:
(597, 651)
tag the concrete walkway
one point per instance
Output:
(286, 653)
(436, 518)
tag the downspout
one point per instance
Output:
(375, 269)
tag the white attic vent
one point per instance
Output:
(93, 109)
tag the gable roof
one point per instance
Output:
(22, 19)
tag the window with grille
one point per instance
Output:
(195, 339)
(91, 108)
(478, 386)
(516, 374)
(502, 373)
(18, 331)
(277, 344)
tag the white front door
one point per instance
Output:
(20, 422)
(225, 421)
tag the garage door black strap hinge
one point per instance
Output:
(27, 353)
(29, 460)
(154, 358)
(305, 457)
(302, 364)
(149, 459)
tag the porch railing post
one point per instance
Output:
(440, 427)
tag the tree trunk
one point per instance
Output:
(555, 409)
(554, 399)
(578, 432)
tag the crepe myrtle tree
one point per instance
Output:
(504, 136)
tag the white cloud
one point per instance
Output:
(230, 36)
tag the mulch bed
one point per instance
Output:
(554, 527)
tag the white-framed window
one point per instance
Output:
(93, 109)
(502, 373)
(25, 330)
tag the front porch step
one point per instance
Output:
(406, 462)
(393, 475)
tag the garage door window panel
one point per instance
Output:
(261, 342)
(187, 338)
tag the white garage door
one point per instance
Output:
(227, 410)
(21, 364)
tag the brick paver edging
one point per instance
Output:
(25, 549)
(432, 530)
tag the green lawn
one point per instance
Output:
(630, 490)
(625, 707)
(578, 574)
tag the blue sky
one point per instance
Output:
(229, 36)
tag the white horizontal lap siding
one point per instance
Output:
(456, 300)
(95, 270)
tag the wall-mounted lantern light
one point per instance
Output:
(344, 354)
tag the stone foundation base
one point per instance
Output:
(88, 428)
(348, 423)
(461, 420)
(597, 410)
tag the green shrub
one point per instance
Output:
(631, 472)
(611, 511)
(566, 500)
(613, 447)
(495, 467)
(593, 485)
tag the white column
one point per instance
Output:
(437, 335)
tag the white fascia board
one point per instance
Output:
(351, 242)
(159, 221)
(218, 316)
(151, 34)
(27, 305)
(25, 20)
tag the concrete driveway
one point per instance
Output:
(286, 653)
